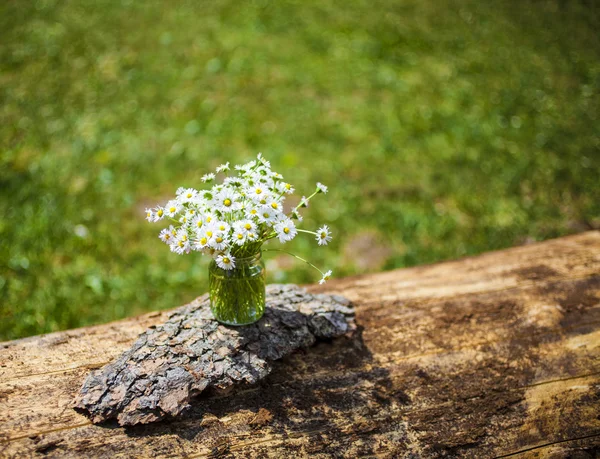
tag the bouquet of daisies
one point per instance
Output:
(233, 219)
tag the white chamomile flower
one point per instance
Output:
(181, 244)
(296, 215)
(257, 192)
(239, 237)
(187, 195)
(246, 167)
(225, 261)
(219, 242)
(251, 236)
(286, 230)
(323, 235)
(166, 236)
(223, 167)
(150, 215)
(252, 212)
(275, 205)
(197, 222)
(227, 201)
(284, 187)
(264, 162)
(325, 277)
(266, 215)
(321, 188)
(172, 208)
(208, 177)
(157, 214)
(222, 227)
(247, 226)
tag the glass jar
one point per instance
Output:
(237, 295)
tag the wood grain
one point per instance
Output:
(490, 356)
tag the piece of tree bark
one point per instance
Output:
(169, 364)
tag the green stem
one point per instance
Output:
(295, 256)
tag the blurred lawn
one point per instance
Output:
(443, 128)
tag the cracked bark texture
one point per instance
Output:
(171, 363)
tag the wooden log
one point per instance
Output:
(491, 356)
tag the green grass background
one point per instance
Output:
(444, 128)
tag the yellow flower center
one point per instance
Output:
(253, 211)
(160, 212)
(180, 244)
(226, 260)
(227, 202)
(209, 233)
(203, 241)
(248, 226)
(240, 236)
(208, 219)
(167, 236)
(258, 191)
(199, 224)
(222, 227)
(274, 205)
(192, 211)
(184, 237)
(288, 186)
(148, 214)
(189, 195)
(286, 230)
(266, 215)
(219, 240)
(172, 209)
(323, 235)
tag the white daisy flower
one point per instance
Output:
(188, 195)
(172, 208)
(322, 188)
(150, 215)
(225, 261)
(222, 227)
(208, 177)
(197, 222)
(323, 235)
(227, 201)
(219, 242)
(246, 226)
(159, 214)
(223, 167)
(239, 237)
(264, 162)
(179, 190)
(166, 236)
(284, 187)
(266, 215)
(286, 230)
(246, 167)
(325, 277)
(251, 236)
(252, 212)
(296, 215)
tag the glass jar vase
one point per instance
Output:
(237, 295)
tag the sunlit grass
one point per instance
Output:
(443, 129)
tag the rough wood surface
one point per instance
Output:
(491, 356)
(171, 363)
